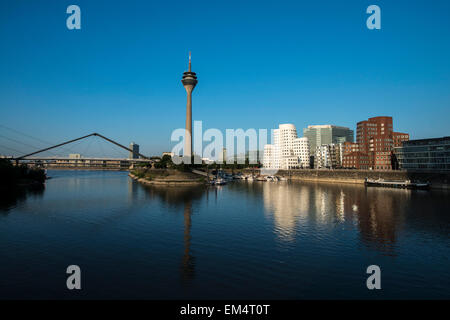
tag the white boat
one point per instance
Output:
(396, 184)
(219, 181)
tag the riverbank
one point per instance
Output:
(62, 168)
(20, 176)
(438, 180)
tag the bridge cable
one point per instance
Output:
(15, 150)
(30, 136)
(22, 143)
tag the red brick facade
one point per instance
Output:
(399, 137)
(375, 139)
(356, 160)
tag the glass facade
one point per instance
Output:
(326, 134)
(425, 154)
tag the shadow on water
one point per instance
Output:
(12, 197)
(184, 197)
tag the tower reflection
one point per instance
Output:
(188, 261)
(181, 197)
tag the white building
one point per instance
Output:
(287, 151)
(328, 156)
(223, 156)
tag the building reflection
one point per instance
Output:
(288, 203)
(381, 214)
(185, 199)
(133, 189)
(377, 213)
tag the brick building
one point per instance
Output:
(375, 140)
(353, 157)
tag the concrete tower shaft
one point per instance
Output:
(189, 82)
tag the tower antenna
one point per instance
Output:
(189, 61)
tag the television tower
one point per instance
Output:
(189, 82)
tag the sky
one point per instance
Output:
(259, 64)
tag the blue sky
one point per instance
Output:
(259, 63)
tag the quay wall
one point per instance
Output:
(438, 179)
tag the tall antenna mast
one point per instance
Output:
(189, 61)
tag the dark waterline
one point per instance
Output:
(247, 240)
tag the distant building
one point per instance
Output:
(74, 156)
(135, 148)
(223, 156)
(376, 138)
(170, 154)
(326, 134)
(254, 155)
(287, 151)
(424, 154)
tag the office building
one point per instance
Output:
(353, 158)
(328, 156)
(326, 134)
(134, 153)
(376, 138)
(425, 154)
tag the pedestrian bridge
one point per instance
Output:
(80, 162)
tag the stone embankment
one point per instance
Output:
(438, 180)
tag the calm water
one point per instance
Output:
(244, 240)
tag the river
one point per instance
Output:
(244, 240)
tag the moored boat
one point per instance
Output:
(396, 184)
(219, 181)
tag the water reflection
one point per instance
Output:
(288, 203)
(378, 213)
(243, 240)
(11, 197)
(188, 262)
(185, 197)
(381, 213)
(133, 190)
